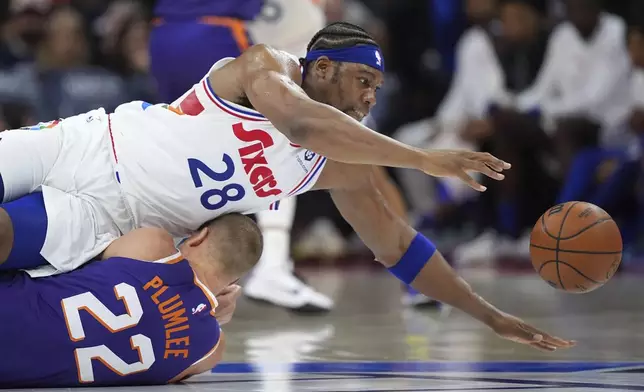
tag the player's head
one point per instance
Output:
(521, 19)
(636, 43)
(227, 247)
(344, 67)
(584, 15)
(480, 11)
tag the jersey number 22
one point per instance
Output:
(84, 356)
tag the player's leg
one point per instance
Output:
(26, 158)
(181, 53)
(272, 279)
(23, 228)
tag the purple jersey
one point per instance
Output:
(116, 322)
(173, 10)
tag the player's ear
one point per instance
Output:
(199, 237)
(322, 67)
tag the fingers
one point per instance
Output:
(228, 296)
(549, 342)
(483, 168)
(226, 290)
(543, 346)
(471, 182)
(227, 303)
(529, 335)
(552, 340)
(236, 290)
(558, 342)
(492, 161)
(231, 290)
(547, 345)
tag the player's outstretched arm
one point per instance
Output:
(411, 257)
(271, 79)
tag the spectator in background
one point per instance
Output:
(189, 37)
(125, 34)
(582, 91)
(460, 120)
(459, 123)
(584, 97)
(67, 83)
(14, 115)
(636, 50)
(62, 82)
(581, 99)
(508, 208)
(636, 119)
(23, 31)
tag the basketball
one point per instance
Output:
(576, 247)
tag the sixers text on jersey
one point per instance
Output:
(260, 176)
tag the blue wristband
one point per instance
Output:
(418, 254)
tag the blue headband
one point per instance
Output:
(364, 54)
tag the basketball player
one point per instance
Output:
(286, 25)
(188, 37)
(145, 315)
(255, 130)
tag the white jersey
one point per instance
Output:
(183, 164)
(288, 25)
(169, 166)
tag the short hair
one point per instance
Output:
(340, 35)
(540, 6)
(236, 242)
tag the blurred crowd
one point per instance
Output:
(549, 85)
(60, 58)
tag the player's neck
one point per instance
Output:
(209, 276)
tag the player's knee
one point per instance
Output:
(6, 235)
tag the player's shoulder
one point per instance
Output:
(563, 31)
(474, 37)
(145, 244)
(613, 28)
(264, 51)
(262, 56)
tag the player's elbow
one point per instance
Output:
(259, 54)
(159, 241)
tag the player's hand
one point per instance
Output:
(227, 301)
(513, 328)
(456, 163)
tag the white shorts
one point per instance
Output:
(72, 163)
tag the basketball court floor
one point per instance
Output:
(371, 343)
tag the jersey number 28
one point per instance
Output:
(72, 307)
(230, 192)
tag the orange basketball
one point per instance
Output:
(576, 247)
